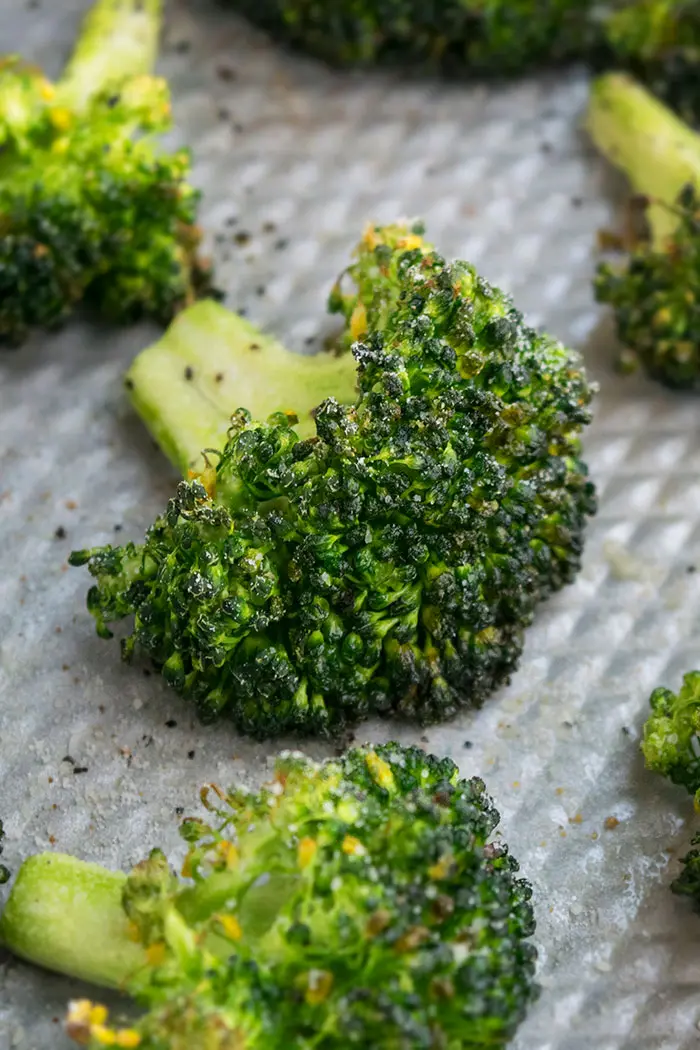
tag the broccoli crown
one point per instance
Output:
(391, 562)
(688, 882)
(671, 743)
(89, 211)
(356, 902)
(4, 873)
(655, 300)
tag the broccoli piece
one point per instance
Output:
(4, 873)
(90, 211)
(658, 40)
(361, 901)
(388, 563)
(656, 295)
(457, 35)
(671, 743)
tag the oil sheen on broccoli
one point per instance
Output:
(359, 902)
(90, 210)
(655, 295)
(389, 562)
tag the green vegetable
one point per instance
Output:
(388, 563)
(358, 902)
(659, 40)
(688, 882)
(656, 295)
(90, 211)
(671, 743)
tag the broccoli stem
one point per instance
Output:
(67, 915)
(211, 362)
(657, 152)
(118, 39)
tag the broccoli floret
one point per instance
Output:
(656, 294)
(671, 743)
(659, 40)
(90, 211)
(390, 562)
(4, 873)
(499, 37)
(361, 901)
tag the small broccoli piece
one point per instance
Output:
(90, 211)
(467, 36)
(390, 562)
(361, 901)
(4, 873)
(656, 295)
(671, 743)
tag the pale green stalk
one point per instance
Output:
(209, 363)
(657, 152)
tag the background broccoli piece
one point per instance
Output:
(656, 295)
(356, 902)
(688, 882)
(390, 562)
(659, 40)
(89, 210)
(671, 743)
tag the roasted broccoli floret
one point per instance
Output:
(505, 36)
(90, 210)
(4, 873)
(388, 563)
(358, 902)
(659, 40)
(671, 743)
(656, 294)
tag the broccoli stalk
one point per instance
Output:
(656, 295)
(211, 361)
(90, 211)
(291, 923)
(118, 40)
(54, 896)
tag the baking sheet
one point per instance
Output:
(293, 160)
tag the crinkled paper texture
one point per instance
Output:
(293, 160)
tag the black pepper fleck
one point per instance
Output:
(171, 723)
(190, 754)
(60, 533)
(118, 527)
(467, 744)
(226, 73)
(219, 377)
(179, 810)
(242, 238)
(80, 769)
(691, 569)
(129, 384)
(68, 758)
(189, 372)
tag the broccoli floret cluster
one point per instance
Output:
(390, 562)
(357, 902)
(671, 743)
(658, 40)
(687, 884)
(90, 210)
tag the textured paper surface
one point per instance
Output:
(293, 160)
